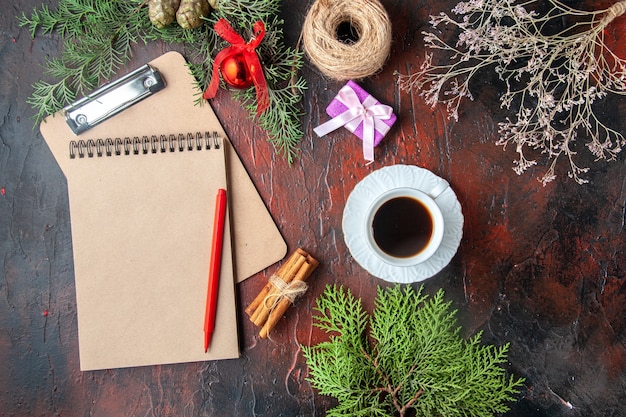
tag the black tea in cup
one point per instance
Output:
(402, 227)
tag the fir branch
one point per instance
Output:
(281, 65)
(100, 36)
(246, 12)
(56, 95)
(414, 362)
(281, 120)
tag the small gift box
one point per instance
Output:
(360, 113)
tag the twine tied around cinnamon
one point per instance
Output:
(291, 291)
(281, 290)
(347, 39)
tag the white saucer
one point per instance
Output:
(376, 183)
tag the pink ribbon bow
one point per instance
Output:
(370, 113)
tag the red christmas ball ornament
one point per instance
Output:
(239, 64)
(235, 72)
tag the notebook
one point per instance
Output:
(142, 224)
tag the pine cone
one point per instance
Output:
(191, 12)
(162, 12)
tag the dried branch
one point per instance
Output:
(553, 75)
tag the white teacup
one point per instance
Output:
(404, 226)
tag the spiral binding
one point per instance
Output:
(134, 146)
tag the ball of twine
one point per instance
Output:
(369, 37)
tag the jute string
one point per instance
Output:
(342, 60)
(291, 291)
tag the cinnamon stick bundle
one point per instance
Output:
(281, 289)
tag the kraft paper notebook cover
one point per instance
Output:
(142, 224)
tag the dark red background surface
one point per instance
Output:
(539, 267)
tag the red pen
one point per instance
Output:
(215, 266)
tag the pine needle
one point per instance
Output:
(100, 36)
(413, 362)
